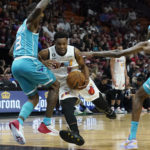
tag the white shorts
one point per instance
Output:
(90, 93)
(120, 82)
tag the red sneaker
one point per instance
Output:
(17, 131)
(48, 129)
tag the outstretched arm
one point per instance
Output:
(32, 18)
(117, 53)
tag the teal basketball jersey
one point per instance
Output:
(26, 43)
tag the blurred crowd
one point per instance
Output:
(104, 25)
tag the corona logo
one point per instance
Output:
(46, 94)
(5, 95)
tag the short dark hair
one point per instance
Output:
(60, 35)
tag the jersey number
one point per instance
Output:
(18, 42)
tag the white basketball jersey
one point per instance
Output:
(119, 65)
(68, 62)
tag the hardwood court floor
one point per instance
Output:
(99, 133)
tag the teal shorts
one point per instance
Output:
(31, 73)
(146, 86)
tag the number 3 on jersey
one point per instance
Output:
(18, 43)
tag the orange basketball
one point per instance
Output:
(75, 79)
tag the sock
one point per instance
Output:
(47, 121)
(133, 130)
(26, 110)
(20, 121)
(74, 127)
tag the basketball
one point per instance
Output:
(75, 79)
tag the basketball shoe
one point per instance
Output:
(130, 144)
(78, 112)
(17, 131)
(71, 137)
(47, 129)
(110, 114)
(87, 111)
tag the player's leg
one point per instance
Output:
(113, 97)
(118, 102)
(46, 126)
(72, 136)
(137, 104)
(102, 105)
(43, 76)
(19, 71)
(85, 109)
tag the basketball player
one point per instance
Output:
(70, 59)
(120, 79)
(30, 72)
(141, 94)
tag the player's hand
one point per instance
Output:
(142, 44)
(52, 64)
(127, 81)
(83, 86)
(147, 48)
(114, 82)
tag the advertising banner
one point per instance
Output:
(12, 101)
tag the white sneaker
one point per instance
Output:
(48, 129)
(129, 144)
(78, 112)
(112, 108)
(119, 111)
(87, 111)
(17, 131)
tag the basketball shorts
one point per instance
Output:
(90, 93)
(146, 86)
(31, 73)
(120, 82)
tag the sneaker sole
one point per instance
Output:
(69, 137)
(16, 135)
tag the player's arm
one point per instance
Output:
(83, 67)
(44, 58)
(117, 53)
(112, 61)
(32, 18)
(11, 49)
(43, 54)
(126, 75)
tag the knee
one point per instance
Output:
(34, 99)
(55, 86)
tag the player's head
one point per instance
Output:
(120, 47)
(61, 42)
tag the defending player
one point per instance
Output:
(141, 94)
(69, 59)
(30, 72)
